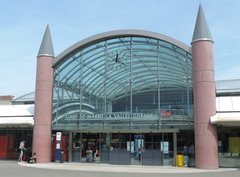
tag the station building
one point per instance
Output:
(125, 90)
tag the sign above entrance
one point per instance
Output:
(111, 116)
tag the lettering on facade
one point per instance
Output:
(110, 116)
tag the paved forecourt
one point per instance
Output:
(21, 169)
(122, 168)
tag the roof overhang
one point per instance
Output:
(226, 119)
(16, 122)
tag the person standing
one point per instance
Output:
(22, 149)
(89, 156)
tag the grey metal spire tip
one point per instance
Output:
(201, 31)
(46, 48)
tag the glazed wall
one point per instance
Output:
(125, 83)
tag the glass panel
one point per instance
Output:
(185, 147)
(104, 148)
(167, 148)
(229, 147)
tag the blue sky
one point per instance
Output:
(23, 24)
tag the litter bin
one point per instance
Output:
(180, 162)
(62, 156)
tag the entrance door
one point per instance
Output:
(167, 148)
(76, 147)
(85, 147)
(90, 147)
(137, 146)
(119, 151)
(152, 149)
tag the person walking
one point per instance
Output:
(22, 150)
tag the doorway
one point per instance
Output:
(85, 147)
(153, 149)
(124, 148)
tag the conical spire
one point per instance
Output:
(46, 48)
(201, 31)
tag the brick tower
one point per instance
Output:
(206, 149)
(42, 130)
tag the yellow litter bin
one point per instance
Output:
(180, 162)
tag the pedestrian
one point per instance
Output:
(140, 149)
(22, 150)
(89, 156)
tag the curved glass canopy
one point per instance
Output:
(123, 74)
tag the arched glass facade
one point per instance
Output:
(124, 83)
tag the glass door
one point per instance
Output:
(152, 153)
(104, 147)
(136, 146)
(76, 147)
(120, 152)
(167, 147)
(152, 149)
(90, 148)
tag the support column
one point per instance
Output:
(204, 105)
(206, 149)
(42, 131)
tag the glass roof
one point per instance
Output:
(228, 86)
(105, 66)
(222, 86)
(30, 97)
